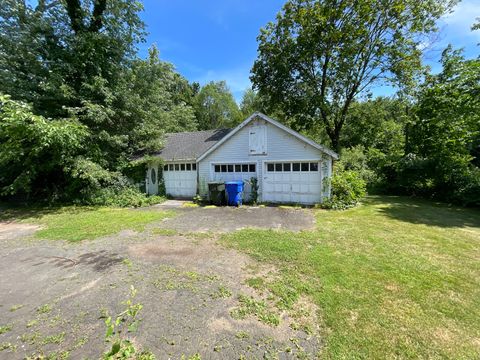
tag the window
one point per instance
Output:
(245, 168)
(286, 166)
(170, 167)
(224, 168)
(194, 167)
(230, 168)
(251, 168)
(278, 167)
(153, 176)
(313, 166)
(304, 166)
(165, 167)
(182, 167)
(217, 168)
(238, 168)
(177, 167)
(270, 167)
(296, 166)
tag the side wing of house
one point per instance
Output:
(288, 169)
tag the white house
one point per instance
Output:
(289, 167)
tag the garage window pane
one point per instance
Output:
(245, 168)
(217, 168)
(270, 167)
(165, 167)
(313, 166)
(170, 167)
(251, 168)
(224, 168)
(177, 167)
(286, 166)
(304, 166)
(278, 167)
(194, 167)
(182, 167)
(230, 168)
(189, 167)
(238, 168)
(296, 166)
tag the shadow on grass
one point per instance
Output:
(9, 212)
(419, 211)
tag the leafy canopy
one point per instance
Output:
(320, 55)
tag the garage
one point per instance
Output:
(292, 182)
(180, 179)
(233, 172)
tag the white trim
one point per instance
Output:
(277, 124)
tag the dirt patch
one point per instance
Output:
(13, 230)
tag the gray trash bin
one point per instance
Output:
(216, 193)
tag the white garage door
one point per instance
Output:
(292, 182)
(180, 179)
(235, 172)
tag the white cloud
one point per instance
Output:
(459, 22)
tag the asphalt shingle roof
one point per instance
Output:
(190, 145)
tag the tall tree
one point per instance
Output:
(215, 106)
(320, 55)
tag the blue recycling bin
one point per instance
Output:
(234, 191)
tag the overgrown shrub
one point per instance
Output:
(128, 196)
(348, 188)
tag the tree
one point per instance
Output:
(152, 101)
(215, 107)
(444, 138)
(36, 153)
(319, 56)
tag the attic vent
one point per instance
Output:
(257, 140)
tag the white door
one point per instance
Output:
(152, 180)
(180, 179)
(292, 182)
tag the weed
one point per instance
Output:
(124, 323)
(44, 309)
(54, 339)
(242, 335)
(16, 307)
(250, 306)
(222, 292)
(80, 342)
(32, 323)
(5, 328)
(8, 346)
(127, 262)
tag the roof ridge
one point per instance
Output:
(198, 131)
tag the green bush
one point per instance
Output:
(348, 188)
(128, 196)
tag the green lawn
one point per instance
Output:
(393, 278)
(83, 223)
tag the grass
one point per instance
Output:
(393, 278)
(84, 223)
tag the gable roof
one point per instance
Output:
(277, 124)
(190, 145)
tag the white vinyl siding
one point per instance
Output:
(282, 147)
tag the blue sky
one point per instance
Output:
(216, 39)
